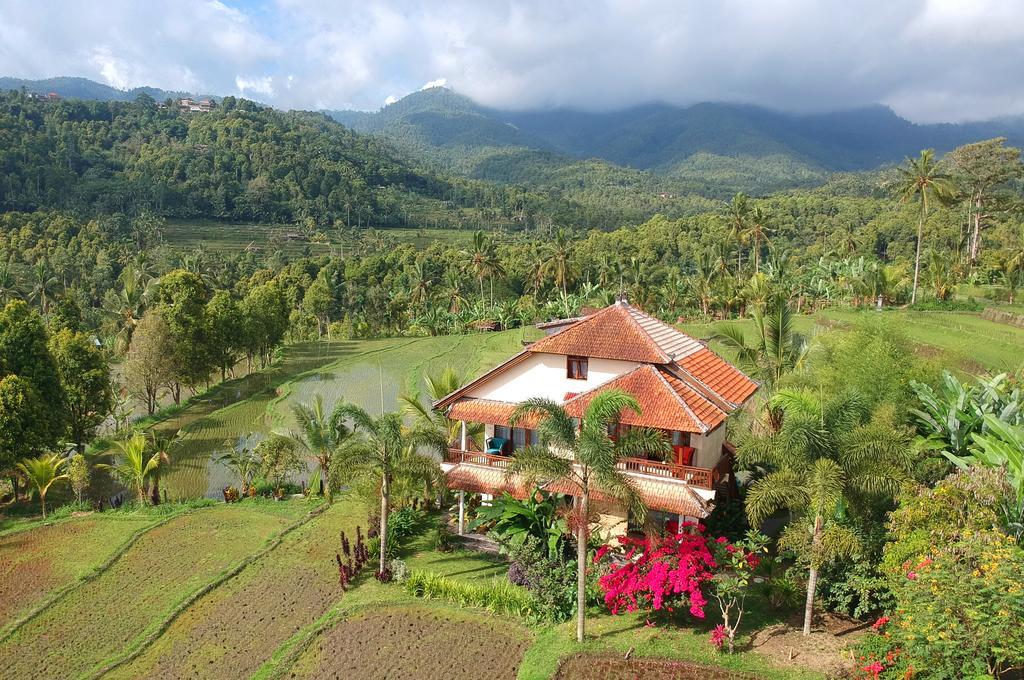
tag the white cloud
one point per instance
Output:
(390, 99)
(931, 59)
(264, 85)
(440, 82)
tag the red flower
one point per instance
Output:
(721, 539)
(718, 636)
(875, 669)
(882, 620)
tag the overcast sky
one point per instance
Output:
(931, 60)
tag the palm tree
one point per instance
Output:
(135, 468)
(586, 458)
(825, 456)
(438, 386)
(319, 434)
(556, 260)
(10, 288)
(43, 284)
(703, 279)
(241, 459)
(483, 262)
(778, 349)
(384, 451)
(921, 180)
(756, 233)
(738, 217)
(420, 284)
(42, 472)
(162, 444)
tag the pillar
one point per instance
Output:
(462, 503)
(463, 434)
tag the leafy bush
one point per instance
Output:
(552, 581)
(499, 597)
(69, 509)
(513, 521)
(399, 570)
(402, 524)
(968, 305)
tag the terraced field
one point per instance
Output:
(231, 631)
(107, 617)
(36, 563)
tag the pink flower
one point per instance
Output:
(721, 539)
(880, 623)
(718, 636)
(601, 552)
(912, 575)
(875, 668)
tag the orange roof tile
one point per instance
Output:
(719, 376)
(487, 411)
(611, 333)
(665, 402)
(658, 494)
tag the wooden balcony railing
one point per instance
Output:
(476, 458)
(703, 477)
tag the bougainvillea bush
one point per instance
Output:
(680, 572)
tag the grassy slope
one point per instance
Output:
(108, 615)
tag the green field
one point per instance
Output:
(367, 373)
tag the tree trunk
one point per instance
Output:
(917, 258)
(42, 503)
(812, 578)
(325, 484)
(581, 566)
(976, 237)
(384, 491)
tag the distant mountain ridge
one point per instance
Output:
(673, 141)
(83, 88)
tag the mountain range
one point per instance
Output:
(83, 88)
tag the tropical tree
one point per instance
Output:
(586, 458)
(921, 180)
(555, 261)
(981, 167)
(136, 464)
(242, 460)
(319, 435)
(439, 385)
(777, 348)
(483, 262)
(826, 456)
(42, 472)
(757, 233)
(738, 217)
(162, 443)
(384, 450)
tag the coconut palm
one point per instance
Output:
(438, 386)
(320, 435)
(162, 444)
(777, 348)
(738, 217)
(41, 472)
(242, 460)
(43, 284)
(921, 180)
(483, 262)
(556, 260)
(757, 232)
(586, 458)
(826, 455)
(136, 465)
(383, 450)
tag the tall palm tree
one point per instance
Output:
(483, 262)
(320, 434)
(702, 281)
(556, 260)
(587, 459)
(137, 465)
(383, 450)
(10, 287)
(420, 284)
(757, 233)
(162, 443)
(44, 284)
(921, 180)
(738, 217)
(42, 472)
(826, 455)
(439, 385)
(777, 348)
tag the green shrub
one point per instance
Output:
(498, 597)
(68, 509)
(968, 305)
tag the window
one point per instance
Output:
(576, 368)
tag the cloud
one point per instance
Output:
(390, 99)
(440, 82)
(929, 59)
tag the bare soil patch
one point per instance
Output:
(824, 650)
(614, 667)
(416, 643)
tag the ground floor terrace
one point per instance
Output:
(681, 488)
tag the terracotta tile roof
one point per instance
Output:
(611, 333)
(665, 401)
(487, 411)
(658, 494)
(671, 340)
(719, 376)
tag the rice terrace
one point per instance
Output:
(525, 340)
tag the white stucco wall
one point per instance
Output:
(543, 375)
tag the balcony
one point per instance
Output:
(705, 478)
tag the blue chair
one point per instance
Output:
(494, 445)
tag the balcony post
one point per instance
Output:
(462, 506)
(462, 429)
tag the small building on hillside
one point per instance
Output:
(685, 390)
(187, 105)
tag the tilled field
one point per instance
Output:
(105, 617)
(38, 562)
(416, 643)
(608, 667)
(232, 630)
